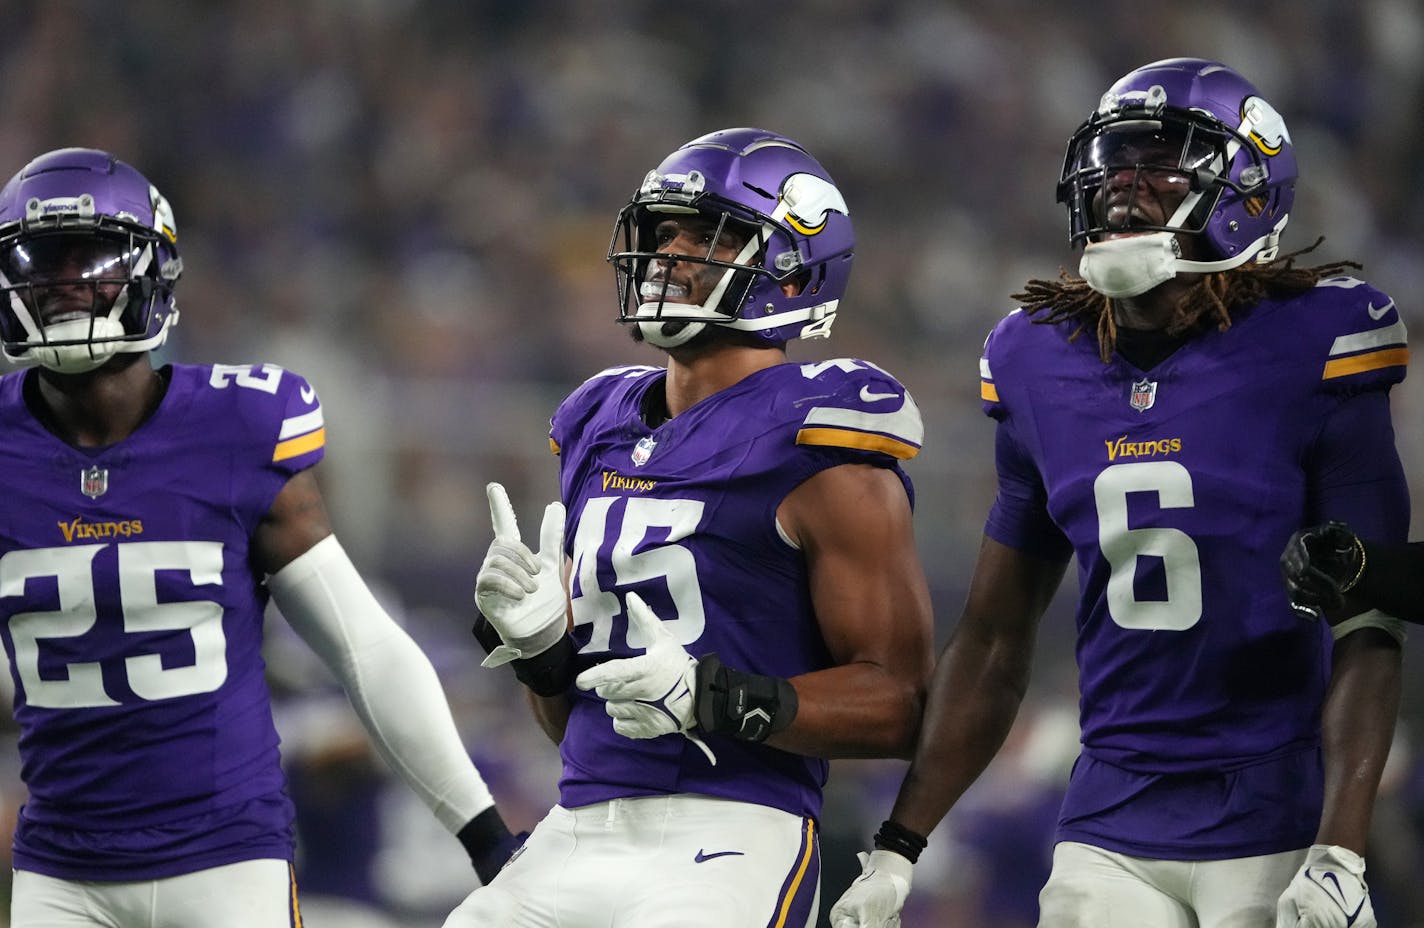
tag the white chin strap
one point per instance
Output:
(82, 357)
(668, 334)
(1129, 266)
(1133, 264)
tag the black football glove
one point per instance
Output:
(1320, 565)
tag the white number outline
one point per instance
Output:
(138, 565)
(1122, 546)
(245, 375)
(670, 561)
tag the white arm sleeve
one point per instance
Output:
(389, 680)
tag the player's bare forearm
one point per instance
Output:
(974, 698)
(979, 682)
(551, 712)
(856, 710)
(1357, 727)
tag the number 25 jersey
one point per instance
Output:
(132, 617)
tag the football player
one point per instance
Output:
(1169, 419)
(148, 515)
(743, 594)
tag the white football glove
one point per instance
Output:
(875, 898)
(653, 694)
(520, 593)
(1328, 891)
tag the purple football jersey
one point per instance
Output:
(1176, 489)
(684, 514)
(133, 622)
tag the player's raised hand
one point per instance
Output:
(654, 693)
(875, 898)
(1328, 891)
(522, 593)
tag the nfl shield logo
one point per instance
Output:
(94, 481)
(644, 450)
(1144, 394)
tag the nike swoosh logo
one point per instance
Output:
(309, 394)
(1379, 313)
(867, 396)
(1350, 917)
(702, 856)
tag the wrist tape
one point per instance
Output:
(749, 706)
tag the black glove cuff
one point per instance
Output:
(549, 673)
(893, 836)
(488, 842)
(749, 706)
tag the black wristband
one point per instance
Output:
(749, 706)
(548, 673)
(488, 842)
(893, 836)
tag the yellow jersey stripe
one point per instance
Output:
(299, 445)
(987, 391)
(844, 438)
(808, 844)
(553, 446)
(1373, 361)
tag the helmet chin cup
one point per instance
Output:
(1131, 265)
(82, 355)
(674, 334)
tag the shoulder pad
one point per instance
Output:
(1368, 345)
(855, 404)
(588, 397)
(276, 401)
(994, 343)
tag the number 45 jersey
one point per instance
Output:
(684, 514)
(132, 618)
(1176, 489)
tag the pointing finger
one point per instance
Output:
(643, 620)
(501, 512)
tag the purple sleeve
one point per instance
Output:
(1355, 474)
(1019, 518)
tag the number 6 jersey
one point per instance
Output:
(132, 618)
(684, 514)
(1176, 489)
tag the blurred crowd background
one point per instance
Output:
(409, 201)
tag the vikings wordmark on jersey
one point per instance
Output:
(684, 514)
(133, 625)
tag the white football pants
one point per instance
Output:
(656, 862)
(1093, 888)
(250, 894)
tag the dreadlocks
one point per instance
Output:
(1070, 300)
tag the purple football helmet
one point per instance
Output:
(88, 261)
(1202, 122)
(772, 193)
